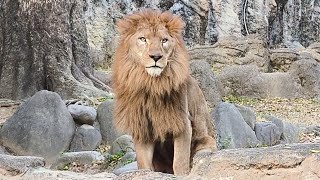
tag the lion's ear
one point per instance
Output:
(175, 24)
(122, 25)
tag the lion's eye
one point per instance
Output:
(164, 40)
(143, 39)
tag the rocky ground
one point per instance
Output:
(301, 112)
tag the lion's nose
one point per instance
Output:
(155, 57)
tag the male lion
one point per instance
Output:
(157, 101)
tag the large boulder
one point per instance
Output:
(295, 161)
(232, 130)
(41, 127)
(302, 80)
(105, 119)
(207, 81)
(86, 138)
(242, 80)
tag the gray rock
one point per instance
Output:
(232, 130)
(248, 115)
(242, 80)
(123, 143)
(84, 157)
(290, 133)
(86, 138)
(47, 174)
(20, 163)
(126, 168)
(126, 159)
(207, 81)
(105, 119)
(246, 80)
(278, 122)
(292, 161)
(267, 133)
(302, 80)
(82, 114)
(41, 118)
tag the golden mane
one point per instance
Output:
(149, 108)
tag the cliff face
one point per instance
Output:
(280, 23)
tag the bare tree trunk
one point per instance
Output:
(43, 45)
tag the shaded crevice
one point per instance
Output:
(203, 29)
(30, 69)
(48, 84)
(3, 39)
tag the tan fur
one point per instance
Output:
(165, 112)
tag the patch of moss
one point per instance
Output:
(241, 100)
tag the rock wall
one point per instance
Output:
(286, 23)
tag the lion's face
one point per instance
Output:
(153, 41)
(152, 48)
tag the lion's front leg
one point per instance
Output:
(144, 153)
(181, 157)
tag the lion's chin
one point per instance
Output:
(154, 71)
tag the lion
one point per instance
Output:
(156, 99)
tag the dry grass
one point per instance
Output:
(297, 111)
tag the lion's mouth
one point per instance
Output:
(154, 70)
(154, 66)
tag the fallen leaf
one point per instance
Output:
(315, 151)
